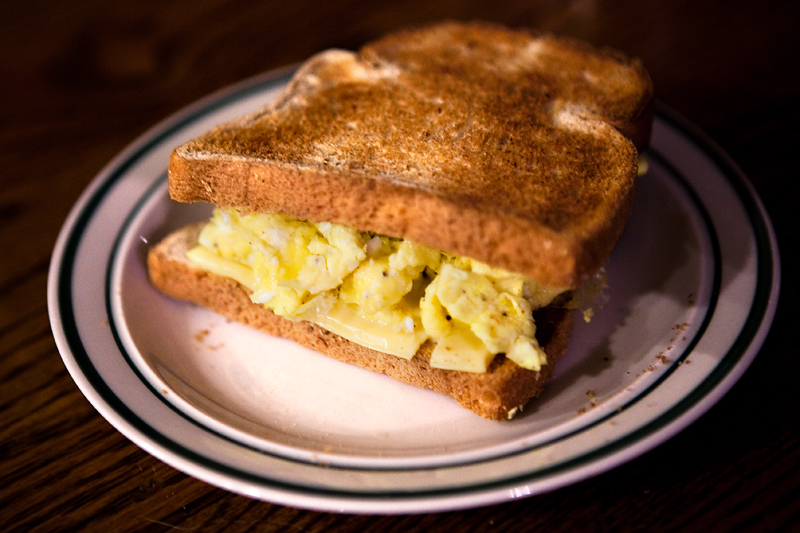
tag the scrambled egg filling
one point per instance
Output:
(384, 293)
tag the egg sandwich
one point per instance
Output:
(428, 207)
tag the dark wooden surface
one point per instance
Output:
(79, 80)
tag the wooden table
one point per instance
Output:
(81, 79)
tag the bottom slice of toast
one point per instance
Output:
(496, 394)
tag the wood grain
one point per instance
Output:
(82, 79)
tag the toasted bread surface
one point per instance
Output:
(496, 394)
(514, 149)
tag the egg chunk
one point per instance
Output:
(388, 294)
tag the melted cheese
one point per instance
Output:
(383, 293)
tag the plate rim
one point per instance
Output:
(746, 344)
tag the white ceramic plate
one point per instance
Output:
(694, 283)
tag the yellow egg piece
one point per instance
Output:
(385, 293)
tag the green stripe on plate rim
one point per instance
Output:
(738, 349)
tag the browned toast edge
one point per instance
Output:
(496, 394)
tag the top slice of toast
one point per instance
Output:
(514, 149)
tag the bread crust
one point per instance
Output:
(516, 150)
(496, 394)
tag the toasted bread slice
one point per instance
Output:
(516, 150)
(496, 394)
